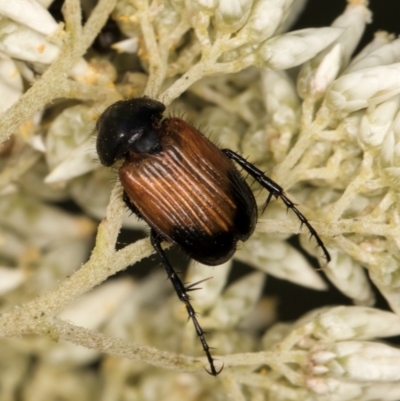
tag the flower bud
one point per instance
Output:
(266, 16)
(279, 259)
(203, 5)
(388, 53)
(80, 161)
(90, 311)
(210, 289)
(376, 123)
(313, 81)
(352, 21)
(32, 182)
(44, 222)
(12, 246)
(227, 128)
(30, 13)
(349, 127)
(364, 88)
(255, 142)
(237, 300)
(11, 86)
(334, 389)
(317, 74)
(45, 3)
(23, 43)
(281, 100)
(367, 361)
(11, 278)
(349, 277)
(390, 155)
(293, 15)
(294, 48)
(129, 45)
(231, 15)
(59, 262)
(70, 150)
(354, 322)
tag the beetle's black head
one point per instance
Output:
(128, 126)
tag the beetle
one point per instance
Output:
(184, 187)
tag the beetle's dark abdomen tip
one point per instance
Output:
(211, 250)
(122, 125)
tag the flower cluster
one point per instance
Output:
(327, 133)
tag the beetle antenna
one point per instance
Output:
(277, 191)
(181, 291)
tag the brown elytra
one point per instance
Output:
(191, 193)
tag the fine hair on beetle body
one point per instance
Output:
(189, 191)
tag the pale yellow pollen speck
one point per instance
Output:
(29, 257)
(91, 76)
(95, 115)
(27, 129)
(358, 3)
(142, 52)
(41, 48)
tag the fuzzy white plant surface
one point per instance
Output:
(327, 131)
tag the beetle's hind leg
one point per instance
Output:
(277, 191)
(182, 291)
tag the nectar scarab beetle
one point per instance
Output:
(187, 190)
